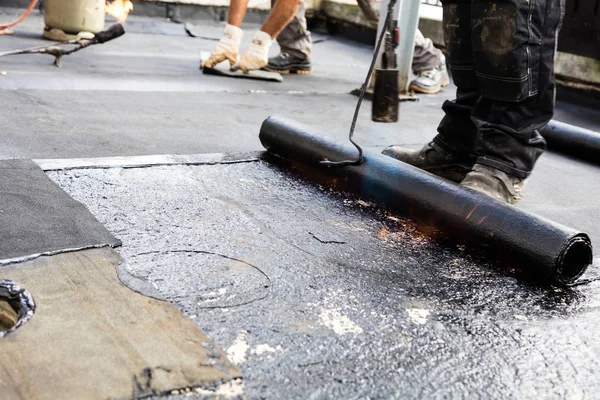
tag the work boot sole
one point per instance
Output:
(419, 89)
(291, 70)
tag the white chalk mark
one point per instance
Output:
(338, 322)
(237, 351)
(265, 348)
(418, 315)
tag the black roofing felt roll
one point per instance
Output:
(548, 251)
(572, 140)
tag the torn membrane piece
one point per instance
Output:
(16, 307)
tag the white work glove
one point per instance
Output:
(257, 54)
(227, 48)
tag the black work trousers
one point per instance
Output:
(501, 57)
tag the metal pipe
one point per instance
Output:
(546, 250)
(406, 12)
(572, 140)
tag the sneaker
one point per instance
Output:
(432, 158)
(286, 63)
(494, 183)
(432, 80)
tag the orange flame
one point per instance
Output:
(119, 9)
(383, 233)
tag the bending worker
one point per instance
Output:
(287, 23)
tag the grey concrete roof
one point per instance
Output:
(390, 316)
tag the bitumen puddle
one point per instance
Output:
(316, 295)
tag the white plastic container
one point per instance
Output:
(74, 16)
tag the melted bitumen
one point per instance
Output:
(358, 303)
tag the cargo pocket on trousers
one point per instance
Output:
(505, 48)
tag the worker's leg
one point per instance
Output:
(295, 38)
(426, 56)
(502, 62)
(514, 42)
(457, 132)
(296, 46)
(281, 15)
(256, 56)
(429, 65)
(236, 12)
(451, 154)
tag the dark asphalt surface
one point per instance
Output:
(386, 313)
(329, 297)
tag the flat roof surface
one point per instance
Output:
(356, 303)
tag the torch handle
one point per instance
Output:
(109, 34)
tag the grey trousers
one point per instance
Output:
(426, 56)
(295, 38)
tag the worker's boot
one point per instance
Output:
(432, 158)
(494, 183)
(286, 63)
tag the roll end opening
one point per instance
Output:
(574, 260)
